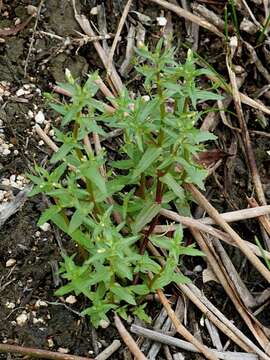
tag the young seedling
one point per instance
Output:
(157, 156)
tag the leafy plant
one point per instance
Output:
(160, 143)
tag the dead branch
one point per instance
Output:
(183, 331)
(128, 340)
(189, 16)
(204, 203)
(37, 353)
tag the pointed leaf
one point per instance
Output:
(150, 155)
(145, 216)
(48, 214)
(172, 184)
(92, 173)
(123, 294)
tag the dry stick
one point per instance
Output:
(233, 275)
(231, 290)
(253, 103)
(37, 353)
(197, 224)
(262, 218)
(204, 203)
(85, 25)
(33, 36)
(128, 340)
(168, 339)
(183, 331)
(46, 138)
(213, 313)
(209, 15)
(105, 354)
(238, 215)
(189, 16)
(245, 133)
(244, 98)
(117, 36)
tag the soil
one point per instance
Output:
(27, 287)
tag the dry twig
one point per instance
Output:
(117, 36)
(183, 331)
(37, 353)
(203, 202)
(188, 16)
(128, 340)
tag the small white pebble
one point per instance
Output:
(10, 262)
(10, 305)
(51, 132)
(45, 227)
(6, 182)
(30, 114)
(145, 98)
(40, 118)
(71, 299)
(12, 177)
(41, 142)
(198, 268)
(38, 321)
(39, 303)
(63, 350)
(50, 342)
(37, 233)
(20, 92)
(16, 152)
(31, 10)
(6, 152)
(104, 324)
(161, 20)
(94, 10)
(21, 319)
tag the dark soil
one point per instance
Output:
(32, 278)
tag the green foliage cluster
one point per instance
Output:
(160, 142)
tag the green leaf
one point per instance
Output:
(139, 289)
(180, 278)
(172, 184)
(141, 314)
(150, 155)
(162, 242)
(92, 173)
(48, 214)
(61, 153)
(76, 221)
(145, 216)
(123, 294)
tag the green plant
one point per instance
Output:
(160, 143)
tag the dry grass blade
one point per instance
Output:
(167, 339)
(188, 16)
(262, 218)
(46, 138)
(117, 36)
(243, 125)
(203, 202)
(234, 288)
(128, 340)
(85, 25)
(105, 354)
(182, 330)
